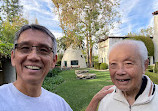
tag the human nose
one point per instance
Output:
(121, 70)
(33, 55)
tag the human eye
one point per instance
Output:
(44, 50)
(113, 65)
(24, 48)
(128, 63)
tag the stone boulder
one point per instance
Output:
(84, 74)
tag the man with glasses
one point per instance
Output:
(34, 54)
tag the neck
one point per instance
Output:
(31, 90)
(131, 95)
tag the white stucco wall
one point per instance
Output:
(73, 54)
(102, 51)
(155, 38)
(104, 47)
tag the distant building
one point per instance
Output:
(105, 44)
(103, 47)
(73, 57)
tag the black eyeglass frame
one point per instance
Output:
(50, 48)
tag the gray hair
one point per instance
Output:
(40, 28)
(140, 47)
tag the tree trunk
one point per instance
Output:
(87, 45)
(90, 56)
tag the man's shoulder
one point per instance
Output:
(56, 99)
(4, 87)
(110, 95)
(51, 94)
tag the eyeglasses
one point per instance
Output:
(40, 49)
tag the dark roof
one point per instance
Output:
(123, 37)
(101, 40)
(155, 13)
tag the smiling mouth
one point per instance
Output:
(33, 67)
(122, 80)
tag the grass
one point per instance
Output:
(77, 92)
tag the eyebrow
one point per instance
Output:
(129, 59)
(29, 43)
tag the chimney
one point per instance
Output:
(155, 38)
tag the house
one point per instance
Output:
(105, 44)
(103, 47)
(73, 57)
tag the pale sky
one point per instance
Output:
(135, 15)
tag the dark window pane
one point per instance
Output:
(74, 62)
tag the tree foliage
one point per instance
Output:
(87, 20)
(148, 32)
(11, 21)
(148, 43)
(9, 9)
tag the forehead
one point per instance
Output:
(124, 52)
(35, 37)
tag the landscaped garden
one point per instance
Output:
(79, 92)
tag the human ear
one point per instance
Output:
(146, 63)
(13, 58)
(54, 61)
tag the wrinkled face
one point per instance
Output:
(33, 67)
(125, 68)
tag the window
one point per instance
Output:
(65, 63)
(74, 62)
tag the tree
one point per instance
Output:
(148, 43)
(7, 33)
(10, 9)
(11, 21)
(88, 19)
(148, 32)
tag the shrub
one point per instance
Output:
(97, 65)
(54, 72)
(50, 83)
(153, 77)
(156, 67)
(148, 43)
(103, 66)
(150, 68)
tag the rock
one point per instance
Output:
(83, 74)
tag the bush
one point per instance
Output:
(156, 67)
(148, 43)
(97, 65)
(54, 72)
(103, 66)
(150, 68)
(50, 83)
(153, 77)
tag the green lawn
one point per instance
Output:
(78, 92)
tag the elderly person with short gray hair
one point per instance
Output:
(132, 90)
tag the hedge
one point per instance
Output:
(96, 65)
(148, 43)
(103, 66)
(156, 67)
(152, 76)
